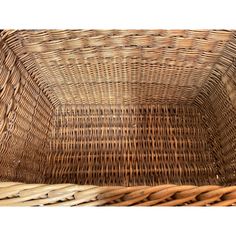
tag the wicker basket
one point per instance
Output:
(117, 117)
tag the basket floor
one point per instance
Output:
(129, 146)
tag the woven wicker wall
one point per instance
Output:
(25, 115)
(226, 119)
(217, 101)
(120, 66)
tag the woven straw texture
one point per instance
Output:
(134, 117)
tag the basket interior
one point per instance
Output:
(118, 107)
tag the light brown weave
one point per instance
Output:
(18, 194)
(124, 108)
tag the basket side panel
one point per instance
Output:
(218, 98)
(25, 114)
(226, 119)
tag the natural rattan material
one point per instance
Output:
(18, 194)
(121, 145)
(25, 115)
(120, 67)
(111, 108)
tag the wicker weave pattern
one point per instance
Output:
(17, 194)
(126, 67)
(218, 98)
(25, 115)
(120, 145)
(133, 108)
(226, 119)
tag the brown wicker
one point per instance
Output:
(118, 117)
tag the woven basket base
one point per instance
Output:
(138, 145)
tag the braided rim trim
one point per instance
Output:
(20, 194)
